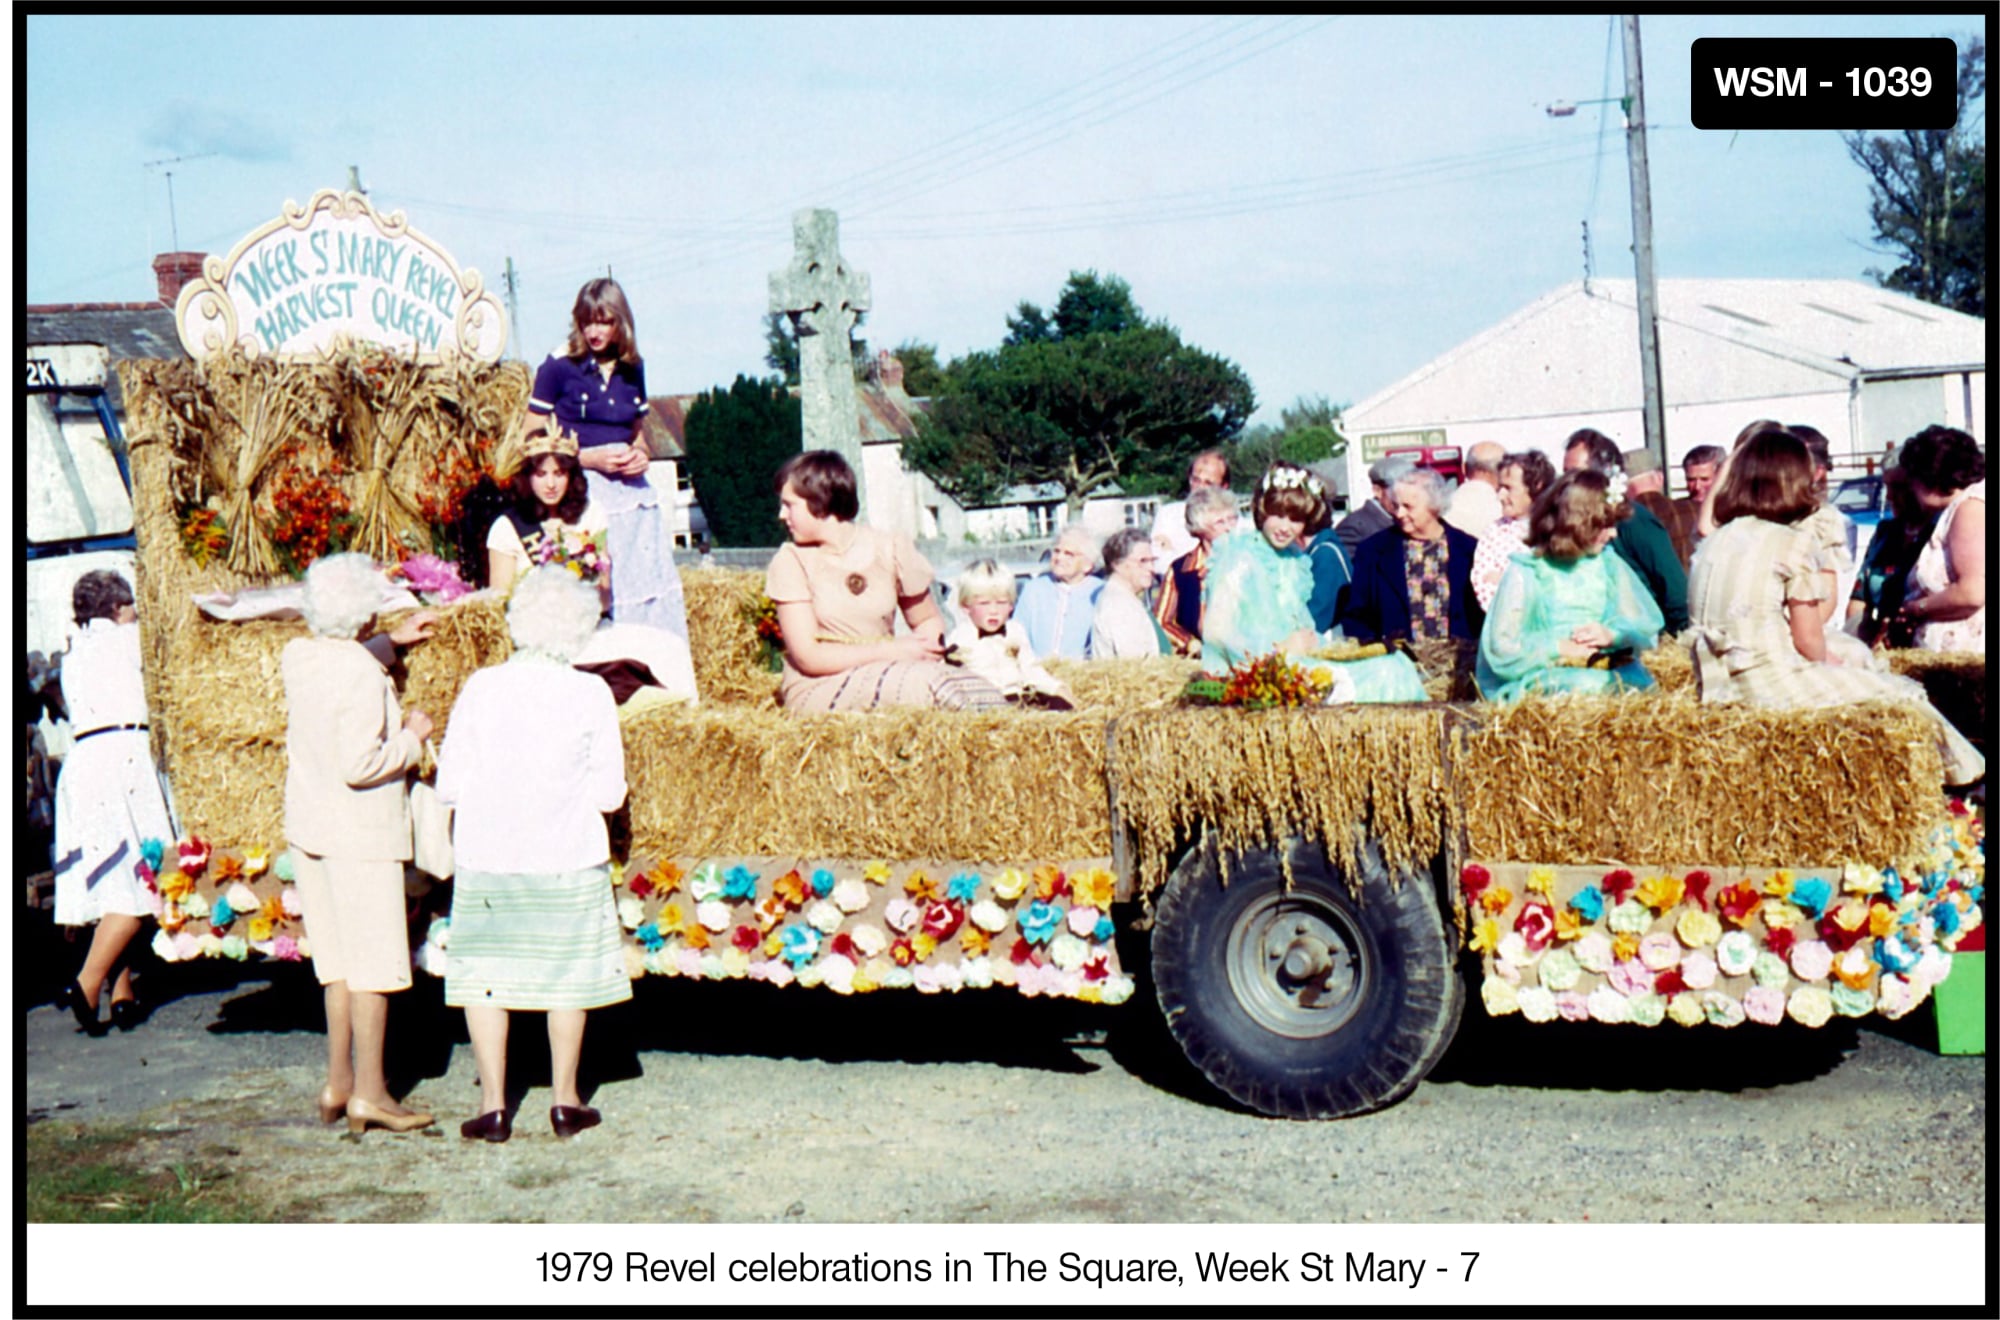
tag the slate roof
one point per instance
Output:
(128, 330)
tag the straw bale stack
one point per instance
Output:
(1644, 779)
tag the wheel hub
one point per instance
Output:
(1297, 965)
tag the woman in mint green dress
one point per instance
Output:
(1567, 617)
(1255, 600)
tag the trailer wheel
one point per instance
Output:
(1315, 1001)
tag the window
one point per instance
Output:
(1139, 513)
(1041, 520)
(682, 479)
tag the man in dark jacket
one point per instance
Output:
(1378, 512)
(1642, 541)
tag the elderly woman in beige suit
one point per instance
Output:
(350, 749)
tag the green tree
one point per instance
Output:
(1089, 304)
(1308, 432)
(1083, 410)
(1927, 198)
(736, 438)
(781, 346)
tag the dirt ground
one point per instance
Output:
(740, 1103)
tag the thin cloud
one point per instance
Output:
(190, 128)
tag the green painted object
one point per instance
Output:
(1961, 1006)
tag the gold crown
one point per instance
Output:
(552, 440)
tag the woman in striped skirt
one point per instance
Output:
(531, 762)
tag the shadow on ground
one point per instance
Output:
(997, 1026)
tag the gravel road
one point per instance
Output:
(742, 1103)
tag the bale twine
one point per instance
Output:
(1647, 779)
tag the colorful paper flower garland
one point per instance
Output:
(1044, 930)
(1683, 948)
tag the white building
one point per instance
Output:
(1866, 366)
(1033, 513)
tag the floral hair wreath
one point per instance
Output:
(1289, 478)
(1614, 494)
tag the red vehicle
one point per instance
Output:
(1448, 461)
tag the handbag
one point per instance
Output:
(430, 831)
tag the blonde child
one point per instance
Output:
(990, 642)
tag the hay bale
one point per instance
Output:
(1644, 779)
(1955, 681)
(887, 784)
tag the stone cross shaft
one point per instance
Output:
(824, 296)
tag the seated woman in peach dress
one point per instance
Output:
(838, 586)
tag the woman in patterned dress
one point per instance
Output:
(1754, 602)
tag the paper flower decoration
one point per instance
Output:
(824, 917)
(1735, 952)
(1537, 1003)
(1764, 1004)
(713, 916)
(964, 887)
(1010, 885)
(850, 895)
(901, 915)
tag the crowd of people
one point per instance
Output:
(1522, 580)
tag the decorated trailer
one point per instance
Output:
(1316, 892)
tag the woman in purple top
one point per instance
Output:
(596, 389)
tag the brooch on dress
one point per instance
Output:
(856, 583)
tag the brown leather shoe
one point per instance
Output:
(495, 1125)
(568, 1120)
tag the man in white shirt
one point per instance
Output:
(1475, 506)
(1171, 538)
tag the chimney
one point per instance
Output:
(889, 370)
(175, 270)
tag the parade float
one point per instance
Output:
(1316, 890)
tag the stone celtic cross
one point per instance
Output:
(824, 296)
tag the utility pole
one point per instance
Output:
(513, 308)
(1642, 245)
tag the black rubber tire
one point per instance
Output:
(1377, 1004)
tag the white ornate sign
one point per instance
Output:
(335, 269)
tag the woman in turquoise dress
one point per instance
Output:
(1567, 617)
(1256, 598)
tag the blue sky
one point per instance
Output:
(1330, 201)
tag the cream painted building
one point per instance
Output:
(1866, 366)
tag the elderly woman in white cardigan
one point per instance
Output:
(350, 748)
(531, 764)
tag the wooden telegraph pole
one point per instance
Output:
(1642, 245)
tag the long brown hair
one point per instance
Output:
(603, 300)
(1770, 476)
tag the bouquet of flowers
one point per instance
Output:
(1271, 680)
(581, 552)
(762, 614)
